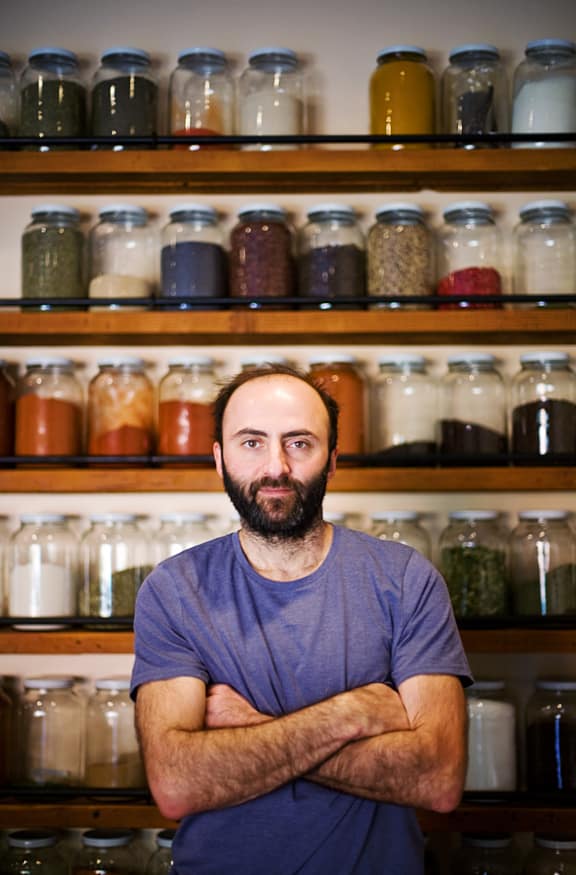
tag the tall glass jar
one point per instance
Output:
(543, 407)
(34, 850)
(486, 854)
(123, 254)
(544, 92)
(193, 258)
(271, 100)
(341, 375)
(331, 256)
(161, 860)
(469, 255)
(124, 96)
(185, 397)
(112, 755)
(492, 754)
(53, 254)
(543, 563)
(402, 526)
(49, 407)
(474, 92)
(544, 251)
(474, 408)
(8, 98)
(178, 531)
(52, 97)
(106, 852)
(7, 393)
(114, 560)
(552, 855)
(261, 262)
(399, 254)
(121, 409)
(201, 96)
(474, 563)
(551, 737)
(402, 95)
(404, 408)
(42, 568)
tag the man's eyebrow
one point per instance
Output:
(297, 432)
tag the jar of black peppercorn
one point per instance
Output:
(193, 259)
(52, 97)
(261, 261)
(124, 96)
(331, 259)
(551, 737)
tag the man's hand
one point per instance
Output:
(227, 708)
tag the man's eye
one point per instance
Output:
(300, 445)
(251, 443)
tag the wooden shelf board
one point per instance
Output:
(496, 817)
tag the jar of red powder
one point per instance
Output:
(342, 377)
(121, 409)
(201, 99)
(185, 396)
(49, 406)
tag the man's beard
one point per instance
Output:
(284, 519)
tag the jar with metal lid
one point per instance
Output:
(160, 862)
(121, 409)
(7, 393)
(106, 852)
(402, 95)
(52, 97)
(201, 96)
(260, 360)
(544, 251)
(114, 559)
(400, 255)
(112, 755)
(8, 97)
(193, 259)
(474, 563)
(474, 92)
(550, 720)
(492, 754)
(404, 408)
(123, 254)
(544, 92)
(402, 526)
(185, 397)
(52, 728)
(178, 531)
(474, 408)
(53, 254)
(543, 408)
(331, 256)
(261, 258)
(348, 519)
(552, 854)
(34, 850)
(342, 376)
(271, 100)
(469, 255)
(486, 854)
(543, 563)
(124, 96)
(49, 409)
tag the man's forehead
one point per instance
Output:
(275, 394)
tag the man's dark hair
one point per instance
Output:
(268, 370)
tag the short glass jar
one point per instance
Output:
(106, 852)
(399, 254)
(121, 409)
(53, 255)
(49, 408)
(474, 93)
(543, 563)
(271, 100)
(402, 95)
(123, 255)
(178, 531)
(402, 526)
(7, 399)
(492, 754)
(544, 93)
(544, 251)
(112, 755)
(469, 256)
(486, 854)
(551, 855)
(124, 97)
(404, 408)
(52, 98)
(160, 862)
(331, 256)
(8, 98)
(342, 376)
(185, 397)
(34, 851)
(201, 96)
(261, 253)
(550, 721)
(194, 263)
(474, 563)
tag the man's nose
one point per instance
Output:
(277, 460)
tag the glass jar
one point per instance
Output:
(544, 251)
(31, 851)
(201, 96)
(7, 752)
(543, 408)
(543, 563)
(257, 360)
(342, 377)
(42, 568)
(331, 256)
(349, 519)
(492, 755)
(544, 92)
(271, 98)
(193, 258)
(49, 407)
(121, 409)
(474, 92)
(106, 852)
(552, 855)
(52, 729)
(112, 755)
(551, 737)
(486, 854)
(261, 263)
(123, 253)
(161, 860)
(185, 397)
(7, 392)
(53, 254)
(399, 254)
(52, 98)
(114, 558)
(404, 408)
(178, 531)
(469, 255)
(474, 563)
(124, 97)
(402, 95)
(402, 526)
(8, 97)
(474, 408)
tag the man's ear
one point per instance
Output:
(217, 452)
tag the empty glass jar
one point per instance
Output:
(123, 254)
(544, 251)
(112, 755)
(552, 854)
(34, 850)
(544, 92)
(550, 720)
(106, 852)
(124, 97)
(161, 860)
(271, 99)
(53, 254)
(474, 92)
(331, 257)
(178, 531)
(201, 96)
(404, 408)
(193, 258)
(400, 255)
(486, 854)
(402, 526)
(52, 98)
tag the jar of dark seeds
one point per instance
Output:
(124, 96)
(331, 257)
(399, 252)
(52, 97)
(261, 261)
(53, 254)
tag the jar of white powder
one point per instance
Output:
(271, 97)
(491, 737)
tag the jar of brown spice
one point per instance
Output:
(185, 397)
(49, 402)
(341, 376)
(261, 259)
(120, 409)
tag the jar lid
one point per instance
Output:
(49, 683)
(486, 49)
(486, 686)
(107, 838)
(113, 517)
(184, 517)
(186, 361)
(259, 361)
(54, 52)
(32, 838)
(165, 837)
(271, 209)
(202, 212)
(389, 515)
(473, 514)
(399, 207)
(53, 209)
(49, 362)
(122, 361)
(275, 56)
(564, 46)
(470, 358)
(205, 54)
(543, 514)
(334, 211)
(467, 208)
(549, 356)
(112, 684)
(402, 358)
(556, 842)
(401, 49)
(43, 518)
(139, 55)
(551, 684)
(337, 358)
(337, 517)
(128, 211)
(547, 206)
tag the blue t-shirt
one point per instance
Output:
(374, 611)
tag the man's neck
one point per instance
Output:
(281, 559)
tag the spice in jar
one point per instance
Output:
(48, 409)
(120, 409)
(261, 263)
(551, 737)
(186, 393)
(124, 96)
(491, 737)
(331, 260)
(53, 254)
(52, 97)
(193, 260)
(399, 253)
(341, 377)
(402, 95)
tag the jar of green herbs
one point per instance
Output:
(474, 562)
(52, 98)
(53, 254)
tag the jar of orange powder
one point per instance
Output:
(402, 95)
(341, 376)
